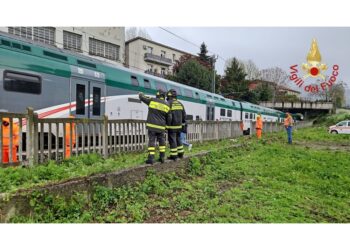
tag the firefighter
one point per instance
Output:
(68, 137)
(178, 115)
(158, 117)
(259, 126)
(288, 124)
(6, 140)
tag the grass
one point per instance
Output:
(14, 178)
(265, 182)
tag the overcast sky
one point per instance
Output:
(267, 47)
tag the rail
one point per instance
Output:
(37, 140)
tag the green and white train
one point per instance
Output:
(57, 83)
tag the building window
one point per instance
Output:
(72, 41)
(44, 35)
(22, 82)
(162, 71)
(149, 50)
(162, 53)
(25, 32)
(103, 49)
(222, 112)
(229, 113)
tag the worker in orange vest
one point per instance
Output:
(288, 124)
(241, 126)
(6, 140)
(68, 137)
(259, 126)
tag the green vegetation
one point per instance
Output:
(333, 119)
(12, 179)
(266, 181)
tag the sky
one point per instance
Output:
(265, 46)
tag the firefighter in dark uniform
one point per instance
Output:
(158, 117)
(178, 115)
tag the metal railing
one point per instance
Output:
(42, 139)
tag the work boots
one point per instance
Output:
(180, 155)
(150, 159)
(172, 157)
(162, 157)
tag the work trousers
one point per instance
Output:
(289, 133)
(258, 133)
(175, 143)
(153, 137)
(6, 154)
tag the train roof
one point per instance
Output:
(73, 58)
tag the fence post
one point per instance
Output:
(105, 137)
(201, 133)
(30, 136)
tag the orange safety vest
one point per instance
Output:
(288, 121)
(259, 123)
(6, 134)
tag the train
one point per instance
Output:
(57, 83)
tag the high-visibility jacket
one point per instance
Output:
(158, 113)
(288, 121)
(178, 115)
(6, 134)
(259, 123)
(68, 135)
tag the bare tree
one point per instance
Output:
(252, 71)
(275, 75)
(133, 32)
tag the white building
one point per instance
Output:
(151, 57)
(106, 43)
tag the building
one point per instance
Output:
(151, 57)
(281, 91)
(103, 43)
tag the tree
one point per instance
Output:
(264, 92)
(252, 71)
(133, 32)
(192, 73)
(203, 54)
(234, 83)
(275, 75)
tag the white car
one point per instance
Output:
(342, 127)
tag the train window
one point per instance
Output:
(216, 98)
(229, 113)
(188, 93)
(222, 112)
(177, 89)
(246, 115)
(161, 86)
(197, 118)
(251, 116)
(189, 117)
(222, 99)
(80, 99)
(24, 83)
(209, 96)
(197, 95)
(134, 81)
(96, 101)
(146, 83)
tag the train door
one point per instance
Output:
(88, 97)
(210, 112)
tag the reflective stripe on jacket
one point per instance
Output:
(178, 115)
(158, 113)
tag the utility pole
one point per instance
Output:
(213, 59)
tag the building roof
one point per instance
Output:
(159, 44)
(280, 87)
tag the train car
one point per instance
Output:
(59, 83)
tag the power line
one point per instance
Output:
(192, 43)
